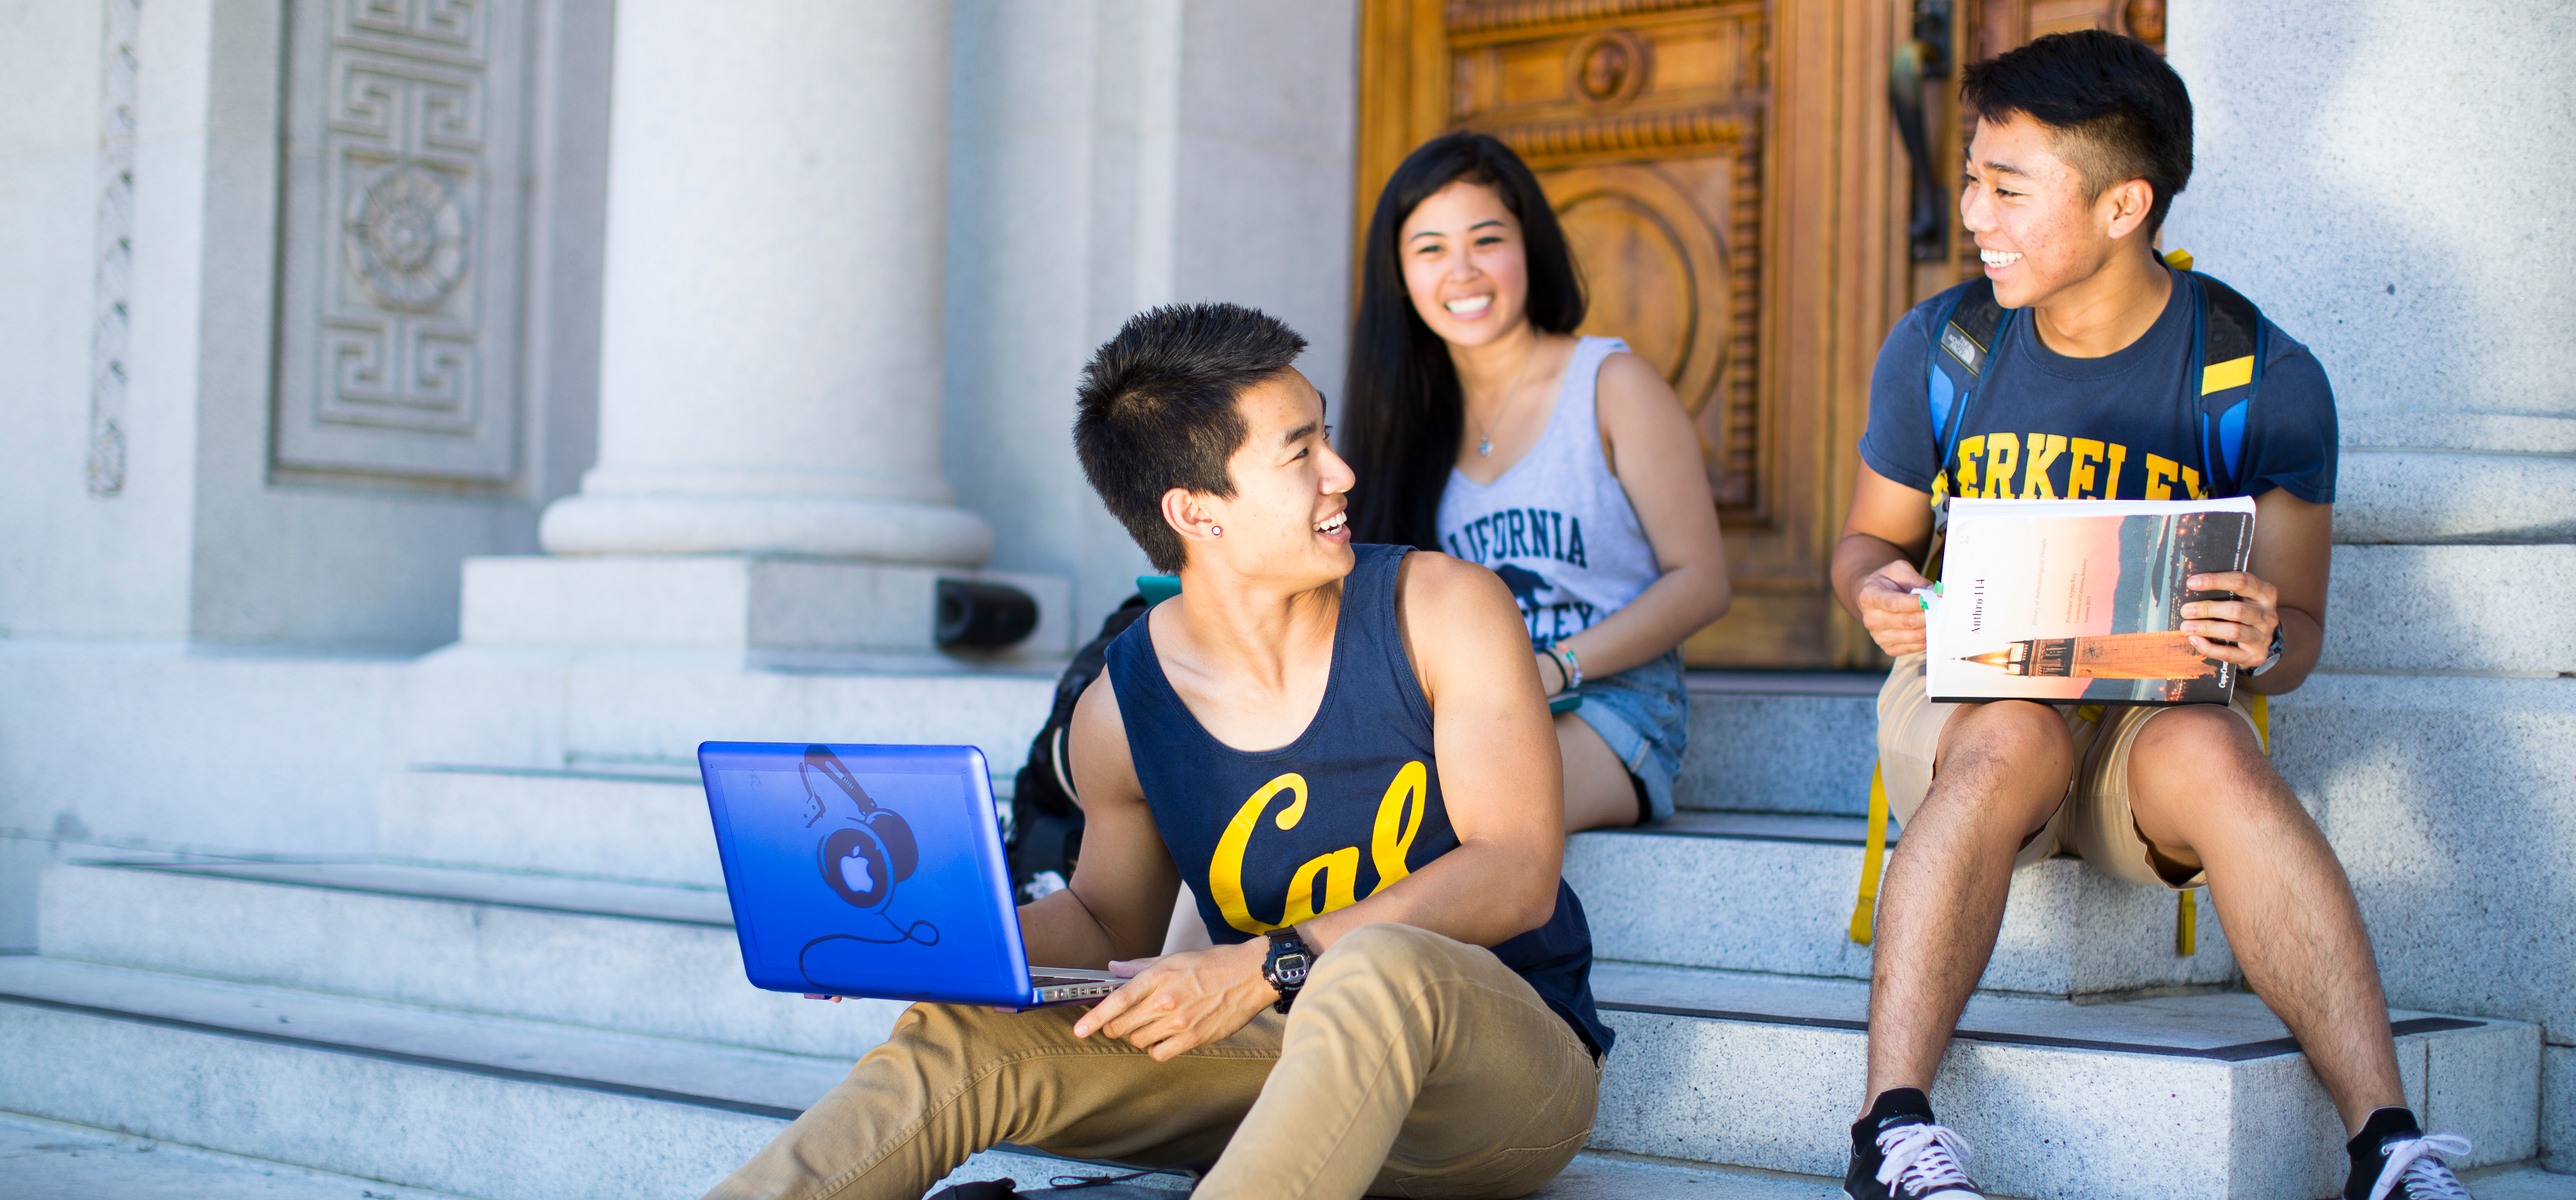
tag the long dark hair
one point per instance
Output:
(1401, 407)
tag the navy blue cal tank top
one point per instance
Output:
(1274, 837)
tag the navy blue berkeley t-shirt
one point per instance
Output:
(2118, 427)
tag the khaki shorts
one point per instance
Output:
(2093, 822)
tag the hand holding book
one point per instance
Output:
(2102, 602)
(1890, 608)
(2237, 631)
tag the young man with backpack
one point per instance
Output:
(1344, 751)
(2084, 366)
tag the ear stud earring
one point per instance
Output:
(1216, 531)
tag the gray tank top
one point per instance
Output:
(1557, 526)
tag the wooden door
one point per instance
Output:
(1736, 197)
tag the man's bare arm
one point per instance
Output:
(2284, 582)
(1120, 899)
(1873, 569)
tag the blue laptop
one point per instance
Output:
(874, 871)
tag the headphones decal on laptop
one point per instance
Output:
(862, 857)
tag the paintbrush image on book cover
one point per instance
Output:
(2080, 601)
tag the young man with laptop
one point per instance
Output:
(1344, 751)
(2081, 351)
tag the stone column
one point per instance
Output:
(769, 461)
(770, 359)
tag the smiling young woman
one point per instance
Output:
(1482, 426)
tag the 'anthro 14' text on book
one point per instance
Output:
(2080, 600)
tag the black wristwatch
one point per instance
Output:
(1285, 969)
(2274, 659)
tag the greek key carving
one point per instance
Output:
(405, 368)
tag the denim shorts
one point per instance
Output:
(1644, 714)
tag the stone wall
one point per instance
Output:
(2391, 183)
(179, 277)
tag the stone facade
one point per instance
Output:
(306, 306)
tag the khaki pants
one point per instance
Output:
(1412, 1065)
(2093, 821)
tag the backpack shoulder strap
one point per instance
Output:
(2228, 349)
(1962, 344)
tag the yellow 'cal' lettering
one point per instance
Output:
(1401, 807)
(1399, 820)
(1970, 450)
(1341, 871)
(2111, 471)
(1225, 871)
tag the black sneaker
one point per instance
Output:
(2393, 1159)
(1899, 1154)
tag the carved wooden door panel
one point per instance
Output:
(1722, 171)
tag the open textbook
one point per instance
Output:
(2080, 600)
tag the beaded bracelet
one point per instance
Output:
(1573, 665)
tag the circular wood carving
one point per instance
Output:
(1607, 67)
(1655, 271)
(2146, 21)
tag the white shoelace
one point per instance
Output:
(1926, 1161)
(2411, 1162)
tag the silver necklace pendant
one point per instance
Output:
(1485, 448)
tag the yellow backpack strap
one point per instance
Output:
(1865, 913)
(2186, 910)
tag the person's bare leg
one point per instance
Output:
(1597, 792)
(2203, 793)
(2001, 771)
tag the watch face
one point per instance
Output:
(1290, 969)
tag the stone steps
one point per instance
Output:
(633, 958)
(474, 1105)
(1775, 894)
(2184, 1097)
(1779, 741)
(2171, 1098)
(662, 958)
(646, 825)
(583, 908)
(478, 1105)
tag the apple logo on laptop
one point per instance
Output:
(862, 860)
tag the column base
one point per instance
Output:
(732, 602)
(877, 530)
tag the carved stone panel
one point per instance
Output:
(399, 302)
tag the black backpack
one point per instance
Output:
(1046, 820)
